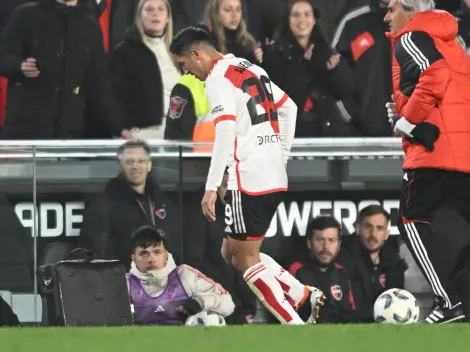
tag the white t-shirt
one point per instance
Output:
(255, 125)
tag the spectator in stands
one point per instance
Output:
(463, 16)
(319, 269)
(224, 18)
(143, 72)
(191, 12)
(360, 38)
(302, 64)
(373, 263)
(114, 18)
(163, 293)
(130, 200)
(6, 7)
(53, 56)
(331, 12)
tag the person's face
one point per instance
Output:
(301, 20)
(150, 258)
(324, 245)
(373, 232)
(397, 17)
(195, 62)
(230, 14)
(155, 17)
(467, 2)
(135, 165)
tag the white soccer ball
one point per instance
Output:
(205, 319)
(396, 306)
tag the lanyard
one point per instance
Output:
(152, 220)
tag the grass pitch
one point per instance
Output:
(317, 338)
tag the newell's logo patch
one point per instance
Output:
(217, 109)
(161, 213)
(383, 280)
(336, 292)
(177, 105)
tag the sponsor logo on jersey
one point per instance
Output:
(159, 309)
(217, 109)
(270, 139)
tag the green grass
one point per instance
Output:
(316, 338)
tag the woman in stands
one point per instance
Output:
(143, 72)
(165, 294)
(302, 64)
(224, 18)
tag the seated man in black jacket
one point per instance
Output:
(319, 269)
(130, 200)
(373, 263)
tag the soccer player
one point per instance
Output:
(255, 124)
(431, 111)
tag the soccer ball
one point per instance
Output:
(205, 319)
(396, 306)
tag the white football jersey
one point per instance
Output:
(255, 125)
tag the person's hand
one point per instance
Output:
(333, 62)
(258, 53)
(182, 311)
(208, 205)
(29, 68)
(392, 112)
(126, 134)
(423, 133)
(308, 53)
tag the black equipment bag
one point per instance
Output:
(85, 293)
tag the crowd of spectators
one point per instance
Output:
(101, 68)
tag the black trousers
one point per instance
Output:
(440, 255)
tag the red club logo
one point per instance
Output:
(336, 292)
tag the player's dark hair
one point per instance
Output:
(187, 38)
(370, 211)
(147, 236)
(133, 144)
(321, 223)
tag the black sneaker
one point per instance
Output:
(440, 315)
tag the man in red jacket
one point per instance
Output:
(431, 111)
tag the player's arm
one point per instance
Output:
(209, 295)
(221, 95)
(181, 116)
(287, 117)
(418, 57)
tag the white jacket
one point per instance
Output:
(208, 293)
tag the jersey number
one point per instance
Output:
(264, 98)
(228, 214)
